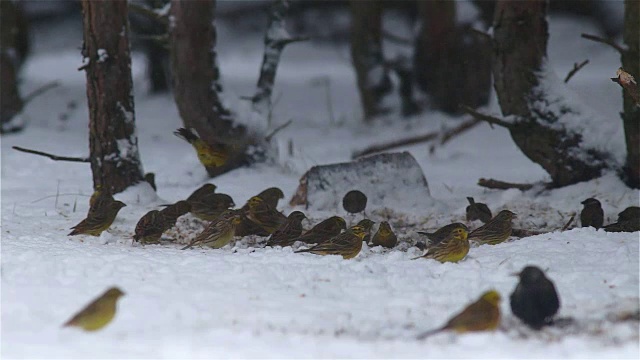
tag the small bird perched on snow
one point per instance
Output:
(265, 216)
(477, 211)
(219, 232)
(497, 230)
(150, 227)
(210, 155)
(535, 300)
(482, 315)
(204, 190)
(384, 236)
(98, 313)
(271, 196)
(592, 213)
(324, 230)
(208, 207)
(448, 244)
(628, 221)
(348, 244)
(99, 218)
(288, 231)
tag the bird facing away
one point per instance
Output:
(99, 218)
(452, 247)
(535, 300)
(494, 232)
(288, 231)
(208, 207)
(172, 212)
(150, 227)
(265, 216)
(348, 244)
(354, 202)
(219, 232)
(477, 211)
(210, 156)
(592, 214)
(385, 237)
(98, 313)
(482, 315)
(323, 231)
(628, 221)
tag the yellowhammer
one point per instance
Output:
(98, 313)
(99, 219)
(452, 247)
(495, 231)
(348, 244)
(288, 231)
(384, 236)
(219, 232)
(210, 155)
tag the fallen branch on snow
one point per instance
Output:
(503, 185)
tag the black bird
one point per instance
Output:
(535, 300)
(478, 211)
(592, 214)
(354, 202)
(628, 221)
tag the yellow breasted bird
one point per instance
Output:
(494, 232)
(348, 244)
(99, 219)
(385, 237)
(210, 155)
(482, 315)
(98, 313)
(265, 216)
(210, 206)
(288, 231)
(323, 231)
(452, 247)
(271, 196)
(150, 227)
(219, 232)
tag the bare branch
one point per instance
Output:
(609, 42)
(576, 68)
(277, 130)
(488, 118)
(394, 144)
(502, 185)
(51, 156)
(566, 226)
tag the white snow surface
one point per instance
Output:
(247, 301)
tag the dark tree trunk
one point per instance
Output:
(520, 49)
(113, 145)
(367, 57)
(196, 85)
(452, 63)
(631, 114)
(12, 40)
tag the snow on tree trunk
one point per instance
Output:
(10, 99)
(366, 54)
(549, 127)
(113, 145)
(393, 180)
(631, 113)
(196, 80)
(452, 63)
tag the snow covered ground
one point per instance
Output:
(246, 301)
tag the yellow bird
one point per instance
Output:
(218, 233)
(265, 216)
(98, 313)
(348, 244)
(384, 236)
(99, 219)
(482, 315)
(451, 246)
(210, 156)
(495, 231)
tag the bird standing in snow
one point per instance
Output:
(535, 300)
(477, 211)
(628, 221)
(482, 315)
(497, 230)
(265, 216)
(271, 197)
(323, 231)
(99, 218)
(592, 214)
(448, 244)
(385, 237)
(288, 231)
(98, 313)
(150, 227)
(219, 232)
(348, 244)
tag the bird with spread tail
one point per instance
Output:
(348, 244)
(98, 313)
(210, 155)
(496, 231)
(534, 300)
(482, 315)
(447, 244)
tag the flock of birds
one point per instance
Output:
(534, 300)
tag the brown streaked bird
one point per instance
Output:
(385, 237)
(270, 196)
(150, 227)
(172, 212)
(348, 244)
(219, 232)
(494, 232)
(98, 313)
(482, 315)
(477, 211)
(289, 231)
(99, 219)
(451, 248)
(323, 231)
(442, 233)
(209, 207)
(210, 155)
(263, 215)
(591, 214)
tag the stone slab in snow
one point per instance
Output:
(392, 180)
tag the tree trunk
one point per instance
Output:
(11, 103)
(520, 49)
(452, 63)
(196, 81)
(631, 113)
(366, 53)
(113, 145)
